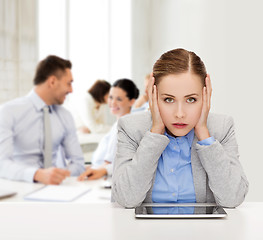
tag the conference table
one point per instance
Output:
(93, 216)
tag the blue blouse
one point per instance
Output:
(174, 178)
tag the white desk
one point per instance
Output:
(97, 193)
(88, 219)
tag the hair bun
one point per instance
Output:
(137, 93)
(128, 86)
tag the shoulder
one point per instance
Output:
(15, 107)
(135, 123)
(88, 98)
(219, 124)
(137, 119)
(15, 103)
(219, 120)
(88, 101)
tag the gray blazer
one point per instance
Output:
(217, 173)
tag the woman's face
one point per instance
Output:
(180, 102)
(118, 102)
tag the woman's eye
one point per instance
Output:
(169, 100)
(191, 100)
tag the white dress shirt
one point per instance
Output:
(22, 136)
(106, 150)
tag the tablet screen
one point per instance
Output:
(180, 211)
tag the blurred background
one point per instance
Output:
(111, 39)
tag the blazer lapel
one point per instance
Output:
(199, 175)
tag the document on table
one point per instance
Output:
(58, 193)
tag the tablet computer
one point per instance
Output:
(179, 211)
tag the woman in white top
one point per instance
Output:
(122, 96)
(92, 113)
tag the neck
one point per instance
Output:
(43, 93)
(97, 105)
(123, 114)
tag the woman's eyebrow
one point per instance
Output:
(188, 95)
(169, 95)
(192, 94)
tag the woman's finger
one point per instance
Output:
(82, 176)
(154, 97)
(85, 174)
(150, 90)
(209, 90)
(204, 99)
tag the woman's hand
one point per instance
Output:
(201, 129)
(140, 101)
(93, 174)
(85, 130)
(157, 125)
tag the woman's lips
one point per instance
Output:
(179, 125)
(114, 109)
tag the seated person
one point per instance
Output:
(142, 103)
(35, 128)
(122, 96)
(178, 152)
(93, 108)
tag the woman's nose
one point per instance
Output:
(179, 112)
(113, 101)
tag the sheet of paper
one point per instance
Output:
(60, 193)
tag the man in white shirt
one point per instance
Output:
(22, 135)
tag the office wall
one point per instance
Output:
(228, 36)
(18, 47)
(141, 63)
